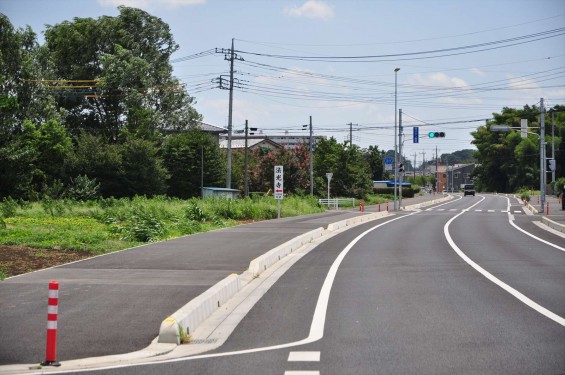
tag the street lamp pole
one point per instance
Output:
(395, 134)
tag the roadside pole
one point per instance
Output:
(279, 188)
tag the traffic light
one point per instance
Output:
(436, 134)
(400, 167)
(552, 165)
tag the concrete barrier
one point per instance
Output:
(427, 203)
(356, 220)
(552, 224)
(188, 317)
(191, 315)
(261, 263)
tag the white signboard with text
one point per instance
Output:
(279, 185)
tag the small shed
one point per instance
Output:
(219, 192)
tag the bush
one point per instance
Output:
(143, 226)
(8, 207)
(83, 188)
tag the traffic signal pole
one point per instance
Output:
(400, 157)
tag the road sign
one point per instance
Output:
(279, 185)
(415, 134)
(388, 163)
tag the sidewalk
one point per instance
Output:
(116, 303)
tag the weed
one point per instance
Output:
(184, 337)
(3, 274)
(8, 207)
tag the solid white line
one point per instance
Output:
(542, 310)
(302, 373)
(511, 221)
(304, 357)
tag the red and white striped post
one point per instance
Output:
(547, 208)
(387, 205)
(52, 312)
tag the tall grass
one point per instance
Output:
(110, 224)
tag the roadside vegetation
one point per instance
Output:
(107, 224)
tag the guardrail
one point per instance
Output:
(336, 202)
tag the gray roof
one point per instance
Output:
(211, 128)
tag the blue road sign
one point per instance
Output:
(415, 134)
(389, 160)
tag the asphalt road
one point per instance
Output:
(115, 303)
(404, 297)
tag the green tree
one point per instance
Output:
(184, 156)
(143, 170)
(351, 172)
(374, 158)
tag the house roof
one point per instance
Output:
(251, 143)
(211, 128)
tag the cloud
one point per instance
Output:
(312, 9)
(441, 80)
(478, 72)
(144, 4)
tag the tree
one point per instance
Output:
(374, 158)
(351, 172)
(185, 155)
(143, 170)
(123, 65)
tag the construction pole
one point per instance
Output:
(311, 161)
(228, 176)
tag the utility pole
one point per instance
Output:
(231, 58)
(311, 160)
(423, 153)
(230, 112)
(437, 173)
(552, 144)
(395, 146)
(543, 175)
(400, 153)
(415, 154)
(245, 177)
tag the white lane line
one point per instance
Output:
(478, 210)
(517, 211)
(542, 310)
(304, 357)
(441, 209)
(302, 373)
(453, 209)
(511, 221)
(490, 210)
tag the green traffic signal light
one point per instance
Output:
(436, 134)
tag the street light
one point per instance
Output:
(395, 143)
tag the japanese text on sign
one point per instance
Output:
(279, 182)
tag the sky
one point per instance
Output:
(459, 62)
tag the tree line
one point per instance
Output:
(95, 110)
(507, 162)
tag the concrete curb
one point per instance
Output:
(191, 315)
(266, 260)
(553, 225)
(426, 204)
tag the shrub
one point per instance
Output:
(143, 226)
(83, 188)
(8, 207)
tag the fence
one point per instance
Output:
(335, 203)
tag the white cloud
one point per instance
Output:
(478, 72)
(312, 9)
(438, 79)
(144, 4)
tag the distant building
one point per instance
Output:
(252, 144)
(288, 141)
(452, 177)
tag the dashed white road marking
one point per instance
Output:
(304, 357)
(302, 373)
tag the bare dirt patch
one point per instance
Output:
(16, 260)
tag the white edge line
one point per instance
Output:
(511, 221)
(316, 328)
(542, 310)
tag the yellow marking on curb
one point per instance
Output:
(170, 319)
